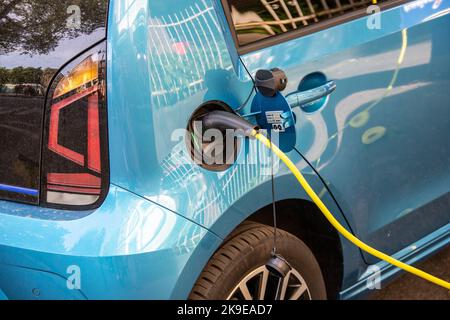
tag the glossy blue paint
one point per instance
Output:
(148, 156)
(165, 216)
(379, 142)
(3, 295)
(129, 248)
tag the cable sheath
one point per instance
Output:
(335, 223)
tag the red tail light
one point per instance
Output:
(74, 170)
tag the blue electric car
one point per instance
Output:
(101, 196)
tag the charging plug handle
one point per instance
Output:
(223, 120)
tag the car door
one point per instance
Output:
(380, 140)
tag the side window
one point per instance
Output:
(255, 20)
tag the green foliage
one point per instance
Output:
(20, 75)
(36, 26)
(3, 76)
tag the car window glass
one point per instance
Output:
(36, 38)
(255, 20)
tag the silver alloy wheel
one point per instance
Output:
(260, 284)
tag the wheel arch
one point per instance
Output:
(308, 224)
(298, 215)
(312, 228)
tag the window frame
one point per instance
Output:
(293, 34)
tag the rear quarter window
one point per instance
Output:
(37, 37)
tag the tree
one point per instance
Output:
(47, 75)
(32, 75)
(4, 75)
(20, 75)
(36, 26)
(16, 75)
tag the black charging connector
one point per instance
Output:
(224, 120)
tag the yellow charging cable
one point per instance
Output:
(312, 194)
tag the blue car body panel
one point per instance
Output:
(129, 248)
(379, 140)
(164, 216)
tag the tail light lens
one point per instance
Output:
(74, 166)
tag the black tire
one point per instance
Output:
(248, 248)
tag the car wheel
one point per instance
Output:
(237, 270)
